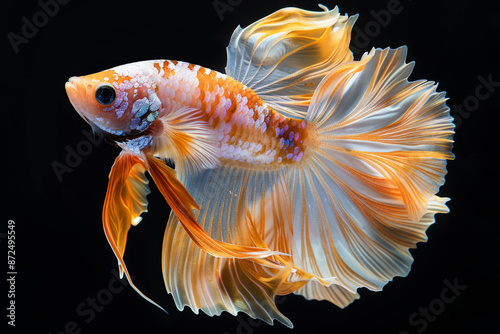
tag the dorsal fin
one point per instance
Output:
(284, 56)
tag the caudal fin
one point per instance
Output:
(366, 191)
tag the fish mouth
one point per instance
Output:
(76, 91)
(74, 86)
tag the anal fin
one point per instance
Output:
(182, 204)
(238, 206)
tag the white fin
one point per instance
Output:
(187, 139)
(284, 56)
(365, 192)
(335, 294)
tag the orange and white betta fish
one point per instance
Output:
(298, 170)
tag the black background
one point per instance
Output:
(62, 256)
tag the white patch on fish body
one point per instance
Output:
(139, 104)
(151, 117)
(219, 75)
(132, 70)
(140, 107)
(121, 110)
(136, 145)
(155, 102)
(181, 87)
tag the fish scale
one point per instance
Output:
(248, 130)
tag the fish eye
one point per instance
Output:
(105, 94)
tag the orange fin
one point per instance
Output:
(182, 204)
(124, 203)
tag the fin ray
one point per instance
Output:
(335, 294)
(237, 206)
(187, 138)
(182, 204)
(284, 56)
(377, 159)
(125, 201)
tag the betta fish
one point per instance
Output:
(300, 170)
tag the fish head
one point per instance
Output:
(116, 102)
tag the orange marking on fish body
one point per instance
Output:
(247, 129)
